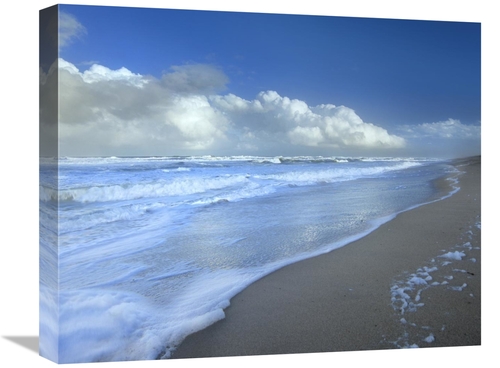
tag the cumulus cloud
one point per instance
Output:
(297, 123)
(69, 29)
(233, 103)
(103, 111)
(449, 129)
(118, 112)
(198, 124)
(306, 136)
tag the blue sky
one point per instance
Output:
(164, 82)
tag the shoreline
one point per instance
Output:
(350, 299)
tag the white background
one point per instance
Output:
(19, 177)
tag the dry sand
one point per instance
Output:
(341, 301)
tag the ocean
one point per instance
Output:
(138, 252)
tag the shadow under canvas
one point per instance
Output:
(28, 342)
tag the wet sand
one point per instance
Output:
(347, 300)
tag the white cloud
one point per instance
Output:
(306, 136)
(291, 120)
(105, 112)
(449, 129)
(69, 29)
(293, 110)
(198, 124)
(98, 73)
(118, 112)
(233, 103)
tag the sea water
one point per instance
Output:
(138, 252)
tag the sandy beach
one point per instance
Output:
(415, 281)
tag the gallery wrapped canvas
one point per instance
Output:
(48, 177)
(221, 184)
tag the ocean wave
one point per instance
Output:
(107, 216)
(250, 190)
(47, 194)
(179, 169)
(170, 163)
(334, 174)
(177, 187)
(230, 186)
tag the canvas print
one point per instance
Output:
(221, 184)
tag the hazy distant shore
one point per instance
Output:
(415, 281)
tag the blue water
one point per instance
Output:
(149, 250)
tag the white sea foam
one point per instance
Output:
(459, 288)
(456, 255)
(429, 338)
(100, 325)
(417, 281)
(184, 169)
(406, 293)
(91, 218)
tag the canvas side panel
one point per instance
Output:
(48, 167)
